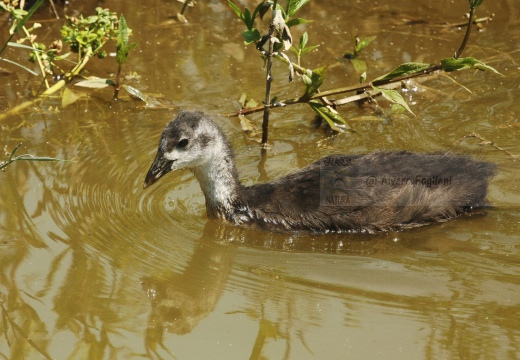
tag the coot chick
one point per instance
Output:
(379, 191)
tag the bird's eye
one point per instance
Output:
(182, 143)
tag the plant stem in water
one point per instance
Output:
(269, 79)
(468, 31)
(118, 82)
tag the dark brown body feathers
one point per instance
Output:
(385, 191)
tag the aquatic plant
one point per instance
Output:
(279, 37)
(19, 17)
(86, 37)
(25, 157)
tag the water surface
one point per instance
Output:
(93, 266)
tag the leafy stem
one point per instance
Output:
(26, 157)
(123, 48)
(37, 56)
(269, 79)
(20, 18)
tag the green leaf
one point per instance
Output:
(310, 48)
(123, 32)
(263, 8)
(61, 57)
(293, 6)
(397, 109)
(335, 121)
(23, 46)
(251, 36)
(394, 97)
(452, 64)
(123, 38)
(402, 70)
(236, 9)
(313, 80)
(248, 19)
(122, 52)
(475, 3)
(363, 44)
(302, 49)
(257, 10)
(246, 102)
(92, 19)
(297, 21)
(303, 40)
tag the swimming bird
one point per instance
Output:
(373, 192)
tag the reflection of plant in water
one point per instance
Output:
(21, 329)
(385, 85)
(180, 16)
(268, 330)
(86, 302)
(21, 339)
(85, 297)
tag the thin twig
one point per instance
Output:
(485, 142)
(117, 87)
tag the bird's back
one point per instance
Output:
(372, 192)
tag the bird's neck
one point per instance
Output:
(219, 182)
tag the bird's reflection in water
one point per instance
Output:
(179, 301)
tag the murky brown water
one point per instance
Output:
(94, 267)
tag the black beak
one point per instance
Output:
(160, 167)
